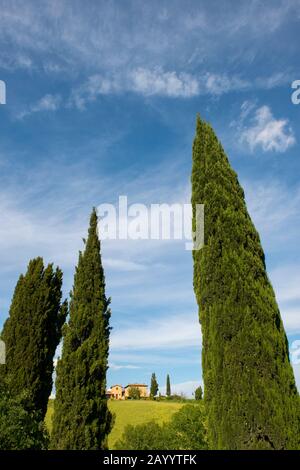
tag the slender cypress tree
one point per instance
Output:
(168, 386)
(250, 392)
(153, 386)
(198, 393)
(82, 420)
(32, 333)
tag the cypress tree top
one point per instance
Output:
(153, 386)
(168, 386)
(250, 392)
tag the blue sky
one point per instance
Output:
(101, 102)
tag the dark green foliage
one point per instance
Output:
(198, 393)
(148, 436)
(179, 398)
(134, 393)
(185, 431)
(187, 428)
(153, 386)
(168, 386)
(32, 333)
(250, 392)
(20, 428)
(81, 416)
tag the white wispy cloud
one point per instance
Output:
(219, 84)
(186, 388)
(274, 80)
(153, 357)
(267, 132)
(274, 208)
(114, 366)
(172, 331)
(159, 35)
(143, 81)
(48, 103)
(297, 374)
(123, 264)
(286, 280)
(291, 319)
(17, 61)
(166, 83)
(91, 89)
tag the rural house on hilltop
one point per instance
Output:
(117, 392)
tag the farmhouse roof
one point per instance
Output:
(136, 385)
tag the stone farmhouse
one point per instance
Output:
(117, 392)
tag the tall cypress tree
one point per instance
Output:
(153, 386)
(81, 416)
(250, 392)
(198, 393)
(32, 332)
(168, 386)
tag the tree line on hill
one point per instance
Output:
(250, 396)
(135, 394)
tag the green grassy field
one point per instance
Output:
(131, 412)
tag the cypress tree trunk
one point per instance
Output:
(81, 416)
(168, 387)
(32, 333)
(250, 392)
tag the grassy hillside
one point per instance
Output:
(131, 412)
